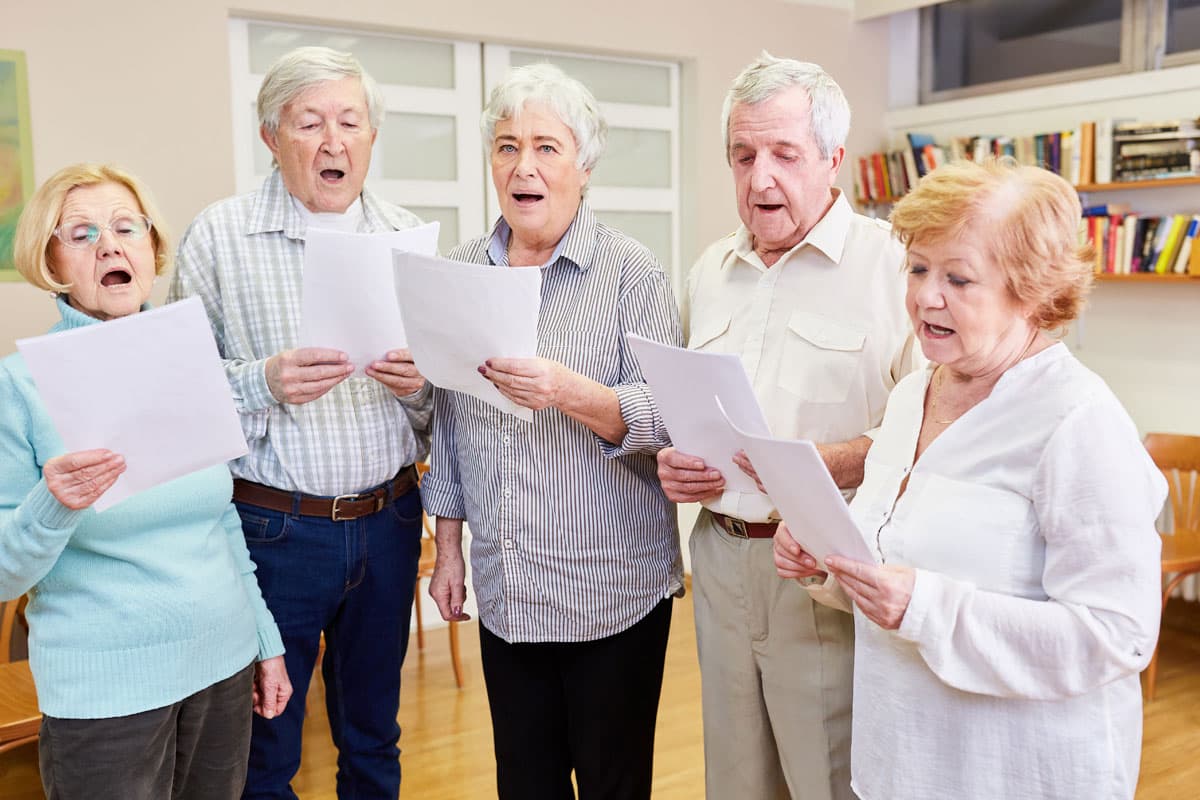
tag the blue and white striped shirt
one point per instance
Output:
(572, 537)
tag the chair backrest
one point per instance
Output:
(1178, 456)
(12, 613)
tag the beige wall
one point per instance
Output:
(149, 88)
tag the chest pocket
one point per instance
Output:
(708, 330)
(821, 357)
(585, 352)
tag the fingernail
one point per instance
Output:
(456, 610)
(482, 371)
(488, 362)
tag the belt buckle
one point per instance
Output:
(737, 527)
(335, 513)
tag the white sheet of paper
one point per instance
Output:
(149, 386)
(800, 486)
(459, 315)
(684, 383)
(349, 291)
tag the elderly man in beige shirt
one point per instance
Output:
(810, 296)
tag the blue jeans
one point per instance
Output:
(354, 581)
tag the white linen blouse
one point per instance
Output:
(1030, 523)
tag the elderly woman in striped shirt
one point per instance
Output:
(575, 549)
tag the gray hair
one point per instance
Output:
(829, 117)
(569, 99)
(298, 70)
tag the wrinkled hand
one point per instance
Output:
(272, 688)
(535, 383)
(743, 461)
(303, 375)
(792, 560)
(881, 592)
(397, 372)
(78, 479)
(687, 479)
(448, 586)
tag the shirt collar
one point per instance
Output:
(273, 212)
(577, 245)
(828, 235)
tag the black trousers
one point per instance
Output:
(589, 707)
(195, 749)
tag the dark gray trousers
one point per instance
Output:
(195, 749)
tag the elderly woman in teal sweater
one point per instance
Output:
(150, 642)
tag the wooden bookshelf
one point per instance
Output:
(1161, 183)
(1147, 277)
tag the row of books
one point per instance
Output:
(1104, 151)
(1131, 243)
(1155, 150)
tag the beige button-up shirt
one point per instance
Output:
(823, 333)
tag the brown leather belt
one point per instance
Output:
(339, 509)
(745, 530)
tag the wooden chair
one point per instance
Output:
(20, 719)
(1178, 457)
(425, 570)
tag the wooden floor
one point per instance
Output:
(447, 747)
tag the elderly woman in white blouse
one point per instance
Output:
(1011, 508)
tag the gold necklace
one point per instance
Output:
(939, 379)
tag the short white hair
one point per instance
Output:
(298, 70)
(546, 84)
(829, 117)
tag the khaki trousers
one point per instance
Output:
(776, 674)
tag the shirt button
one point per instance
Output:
(508, 492)
(508, 544)
(507, 439)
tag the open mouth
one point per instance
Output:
(527, 198)
(117, 277)
(332, 175)
(769, 206)
(938, 330)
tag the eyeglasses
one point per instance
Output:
(83, 234)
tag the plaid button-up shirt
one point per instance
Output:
(244, 257)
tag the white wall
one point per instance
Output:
(1142, 338)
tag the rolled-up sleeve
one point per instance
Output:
(647, 309)
(441, 488)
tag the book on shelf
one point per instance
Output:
(1127, 244)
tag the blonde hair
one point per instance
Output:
(35, 228)
(1025, 219)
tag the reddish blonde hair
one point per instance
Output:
(1025, 219)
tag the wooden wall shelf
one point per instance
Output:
(1190, 180)
(1147, 277)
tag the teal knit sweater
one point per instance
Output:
(134, 608)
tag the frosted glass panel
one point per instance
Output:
(610, 81)
(388, 59)
(635, 157)
(448, 233)
(419, 147)
(651, 228)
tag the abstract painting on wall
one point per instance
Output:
(16, 153)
